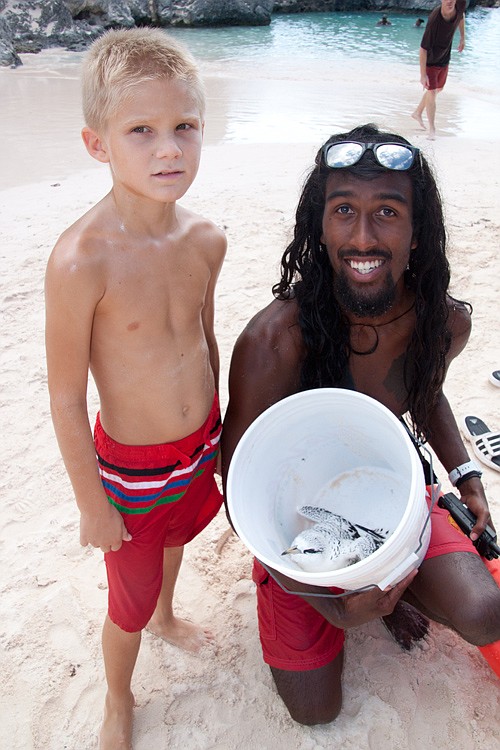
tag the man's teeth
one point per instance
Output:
(365, 266)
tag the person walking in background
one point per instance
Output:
(435, 53)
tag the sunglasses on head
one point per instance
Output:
(396, 156)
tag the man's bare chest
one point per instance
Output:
(382, 378)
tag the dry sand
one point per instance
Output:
(442, 695)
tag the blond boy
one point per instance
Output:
(130, 296)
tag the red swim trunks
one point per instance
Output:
(166, 494)
(295, 637)
(437, 77)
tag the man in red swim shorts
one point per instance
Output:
(363, 304)
(435, 53)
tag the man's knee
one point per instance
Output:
(319, 712)
(478, 621)
(312, 696)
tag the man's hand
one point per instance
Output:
(475, 500)
(372, 604)
(105, 529)
(424, 80)
(461, 45)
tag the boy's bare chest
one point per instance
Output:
(155, 289)
(158, 281)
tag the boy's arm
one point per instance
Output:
(216, 247)
(72, 290)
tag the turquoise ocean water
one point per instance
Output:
(333, 36)
(295, 81)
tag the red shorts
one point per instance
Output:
(166, 494)
(437, 77)
(295, 637)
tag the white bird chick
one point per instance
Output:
(316, 550)
(338, 525)
(332, 543)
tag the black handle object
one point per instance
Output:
(465, 519)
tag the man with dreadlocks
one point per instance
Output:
(363, 304)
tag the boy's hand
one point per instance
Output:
(105, 529)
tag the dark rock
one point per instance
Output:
(215, 12)
(8, 55)
(37, 25)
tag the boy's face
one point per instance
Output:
(152, 142)
(368, 233)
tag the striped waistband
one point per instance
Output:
(139, 478)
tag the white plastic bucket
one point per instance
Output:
(339, 450)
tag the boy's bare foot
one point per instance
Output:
(116, 728)
(181, 633)
(432, 135)
(418, 117)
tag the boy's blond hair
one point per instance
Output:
(122, 59)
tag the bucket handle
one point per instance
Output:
(399, 572)
(435, 493)
(314, 594)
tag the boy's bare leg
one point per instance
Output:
(164, 623)
(417, 114)
(120, 651)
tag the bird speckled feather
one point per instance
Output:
(332, 543)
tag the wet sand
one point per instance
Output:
(40, 116)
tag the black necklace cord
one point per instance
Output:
(374, 329)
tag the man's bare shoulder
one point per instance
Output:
(274, 329)
(267, 357)
(460, 319)
(459, 325)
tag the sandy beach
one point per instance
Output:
(443, 694)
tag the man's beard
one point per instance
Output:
(364, 306)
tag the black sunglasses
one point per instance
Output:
(396, 156)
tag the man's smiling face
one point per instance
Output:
(368, 233)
